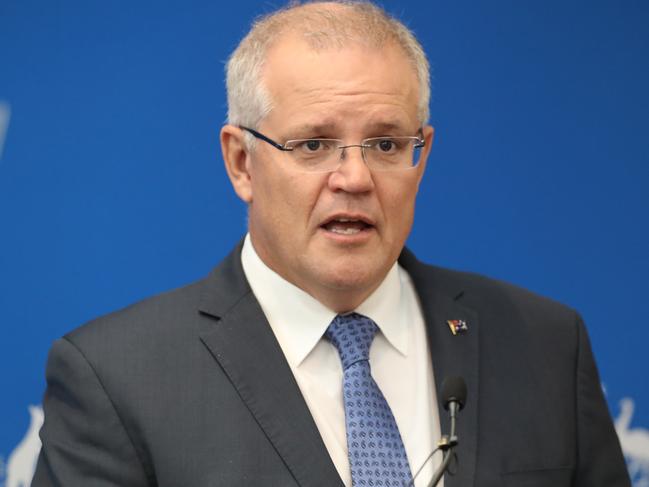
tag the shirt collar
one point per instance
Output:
(299, 320)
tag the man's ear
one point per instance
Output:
(237, 161)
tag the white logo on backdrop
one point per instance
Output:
(22, 461)
(635, 444)
(5, 113)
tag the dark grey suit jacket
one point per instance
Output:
(191, 389)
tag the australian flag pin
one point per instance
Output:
(458, 327)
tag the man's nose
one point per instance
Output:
(352, 175)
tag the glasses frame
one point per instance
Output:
(283, 147)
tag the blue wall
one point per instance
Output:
(112, 187)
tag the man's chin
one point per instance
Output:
(352, 274)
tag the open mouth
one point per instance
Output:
(347, 226)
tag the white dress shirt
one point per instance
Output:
(399, 359)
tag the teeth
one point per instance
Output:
(346, 226)
(345, 231)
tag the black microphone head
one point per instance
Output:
(453, 389)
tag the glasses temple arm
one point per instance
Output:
(265, 139)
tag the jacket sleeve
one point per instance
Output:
(84, 440)
(600, 459)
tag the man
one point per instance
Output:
(260, 374)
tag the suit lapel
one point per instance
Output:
(452, 355)
(242, 342)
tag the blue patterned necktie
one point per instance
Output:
(376, 453)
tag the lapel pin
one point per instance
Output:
(458, 327)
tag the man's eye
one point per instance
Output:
(386, 145)
(312, 145)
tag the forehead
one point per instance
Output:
(340, 86)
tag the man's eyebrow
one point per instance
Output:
(315, 128)
(386, 127)
(378, 128)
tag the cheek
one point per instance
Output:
(401, 216)
(285, 201)
(398, 202)
(304, 190)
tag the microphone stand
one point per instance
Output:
(446, 444)
(454, 398)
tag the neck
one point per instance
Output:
(341, 300)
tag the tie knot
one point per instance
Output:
(352, 335)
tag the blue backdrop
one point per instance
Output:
(112, 186)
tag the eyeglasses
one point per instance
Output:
(379, 153)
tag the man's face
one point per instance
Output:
(336, 234)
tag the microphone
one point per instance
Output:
(453, 394)
(453, 400)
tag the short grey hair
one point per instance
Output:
(323, 25)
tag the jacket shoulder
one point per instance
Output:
(494, 298)
(164, 315)
(491, 290)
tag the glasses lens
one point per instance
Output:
(390, 153)
(315, 155)
(417, 146)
